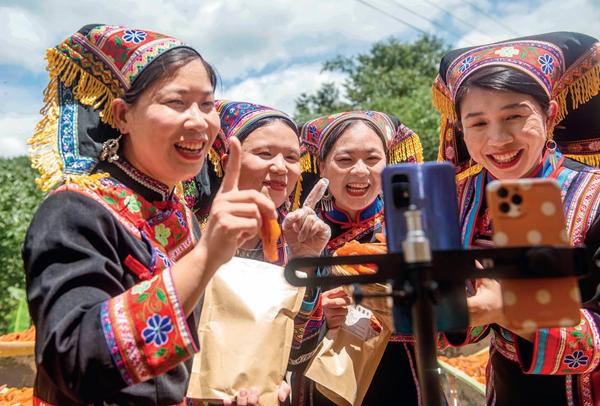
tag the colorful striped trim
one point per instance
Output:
(145, 329)
(504, 347)
(413, 370)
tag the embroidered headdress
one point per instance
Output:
(236, 117)
(88, 71)
(401, 143)
(565, 64)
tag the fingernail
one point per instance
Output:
(254, 391)
(243, 392)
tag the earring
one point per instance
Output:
(109, 149)
(288, 204)
(327, 201)
(551, 147)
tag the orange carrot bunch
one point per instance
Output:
(27, 335)
(355, 248)
(473, 365)
(14, 396)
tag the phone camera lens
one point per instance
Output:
(502, 192)
(517, 199)
(504, 207)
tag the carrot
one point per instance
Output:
(27, 335)
(269, 233)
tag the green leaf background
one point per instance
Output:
(19, 198)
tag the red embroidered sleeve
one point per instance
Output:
(565, 351)
(146, 329)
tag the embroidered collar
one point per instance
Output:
(339, 216)
(150, 189)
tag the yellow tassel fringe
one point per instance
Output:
(215, 159)
(473, 170)
(85, 181)
(591, 160)
(88, 91)
(581, 90)
(444, 105)
(308, 163)
(407, 148)
(297, 194)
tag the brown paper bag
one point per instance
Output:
(245, 332)
(347, 359)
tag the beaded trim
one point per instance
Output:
(142, 179)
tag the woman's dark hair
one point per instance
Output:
(163, 66)
(340, 129)
(264, 122)
(506, 79)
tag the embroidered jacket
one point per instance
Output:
(344, 229)
(559, 368)
(110, 327)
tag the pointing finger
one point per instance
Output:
(316, 194)
(232, 175)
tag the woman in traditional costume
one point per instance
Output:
(528, 108)
(351, 149)
(271, 165)
(114, 262)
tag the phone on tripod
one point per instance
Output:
(529, 212)
(431, 188)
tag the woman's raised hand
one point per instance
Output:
(305, 233)
(235, 215)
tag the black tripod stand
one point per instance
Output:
(414, 275)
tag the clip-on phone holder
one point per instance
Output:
(413, 275)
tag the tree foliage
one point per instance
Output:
(393, 77)
(323, 102)
(19, 198)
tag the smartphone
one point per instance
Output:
(431, 187)
(529, 212)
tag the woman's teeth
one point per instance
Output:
(189, 147)
(505, 158)
(357, 188)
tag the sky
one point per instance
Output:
(266, 52)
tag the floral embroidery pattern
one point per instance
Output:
(134, 36)
(132, 203)
(162, 234)
(507, 51)
(576, 360)
(141, 287)
(546, 61)
(147, 334)
(157, 330)
(466, 63)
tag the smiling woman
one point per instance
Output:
(504, 110)
(114, 261)
(270, 164)
(351, 149)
